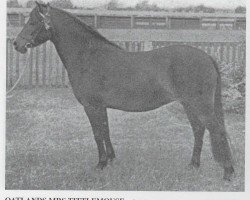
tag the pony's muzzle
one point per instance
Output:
(20, 48)
(15, 43)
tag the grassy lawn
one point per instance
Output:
(50, 145)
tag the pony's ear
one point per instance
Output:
(40, 9)
(43, 8)
(48, 7)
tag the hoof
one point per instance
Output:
(111, 157)
(101, 165)
(228, 173)
(194, 165)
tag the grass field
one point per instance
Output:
(50, 145)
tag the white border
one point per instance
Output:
(113, 194)
(2, 93)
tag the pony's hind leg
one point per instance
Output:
(198, 130)
(218, 136)
(220, 147)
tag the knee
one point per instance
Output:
(198, 130)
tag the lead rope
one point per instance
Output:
(19, 78)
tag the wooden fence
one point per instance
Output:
(45, 68)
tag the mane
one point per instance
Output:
(88, 28)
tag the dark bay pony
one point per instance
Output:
(104, 76)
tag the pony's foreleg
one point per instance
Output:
(109, 148)
(198, 130)
(99, 122)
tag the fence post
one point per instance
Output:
(127, 46)
(7, 62)
(203, 46)
(63, 74)
(209, 49)
(25, 75)
(44, 65)
(216, 53)
(31, 68)
(37, 66)
(17, 65)
(50, 64)
(132, 21)
(221, 52)
(58, 78)
(244, 53)
(96, 21)
(228, 53)
(11, 66)
(234, 53)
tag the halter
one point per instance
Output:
(45, 22)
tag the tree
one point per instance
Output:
(13, 4)
(32, 3)
(145, 5)
(113, 5)
(200, 8)
(62, 4)
(205, 9)
(240, 9)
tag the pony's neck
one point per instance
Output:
(73, 38)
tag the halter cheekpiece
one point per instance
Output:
(45, 20)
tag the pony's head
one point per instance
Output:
(37, 30)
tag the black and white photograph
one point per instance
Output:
(119, 95)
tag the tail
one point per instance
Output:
(218, 108)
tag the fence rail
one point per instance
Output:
(45, 68)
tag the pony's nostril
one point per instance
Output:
(28, 45)
(14, 43)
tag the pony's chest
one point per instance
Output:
(85, 84)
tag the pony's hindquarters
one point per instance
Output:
(198, 85)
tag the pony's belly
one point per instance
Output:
(135, 102)
(139, 107)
